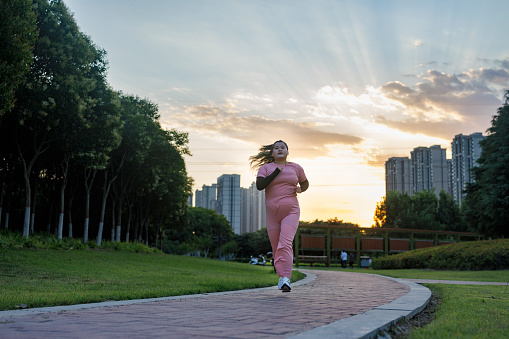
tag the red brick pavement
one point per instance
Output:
(265, 313)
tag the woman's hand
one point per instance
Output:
(298, 189)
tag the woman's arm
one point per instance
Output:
(304, 185)
(262, 183)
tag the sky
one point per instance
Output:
(346, 84)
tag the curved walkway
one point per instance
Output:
(325, 303)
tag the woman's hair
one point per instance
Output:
(264, 156)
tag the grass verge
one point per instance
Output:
(486, 276)
(38, 278)
(468, 311)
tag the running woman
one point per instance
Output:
(281, 180)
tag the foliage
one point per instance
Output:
(471, 255)
(46, 241)
(67, 125)
(200, 232)
(487, 199)
(18, 32)
(253, 243)
(330, 221)
(422, 210)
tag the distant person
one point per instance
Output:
(281, 180)
(351, 259)
(344, 257)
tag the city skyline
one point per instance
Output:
(346, 84)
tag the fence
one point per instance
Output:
(323, 243)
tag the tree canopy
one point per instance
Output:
(422, 210)
(18, 32)
(487, 200)
(66, 135)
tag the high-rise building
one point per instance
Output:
(253, 209)
(206, 197)
(397, 175)
(466, 151)
(428, 168)
(228, 199)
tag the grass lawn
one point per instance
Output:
(465, 311)
(487, 276)
(468, 311)
(39, 278)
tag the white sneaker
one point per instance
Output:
(280, 283)
(285, 286)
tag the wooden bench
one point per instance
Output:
(311, 259)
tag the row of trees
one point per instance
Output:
(486, 206)
(422, 211)
(71, 145)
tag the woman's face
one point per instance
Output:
(279, 151)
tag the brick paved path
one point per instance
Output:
(266, 313)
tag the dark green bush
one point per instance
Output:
(49, 241)
(471, 255)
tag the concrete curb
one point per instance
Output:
(366, 325)
(31, 311)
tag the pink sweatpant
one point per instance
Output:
(282, 224)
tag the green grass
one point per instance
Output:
(50, 277)
(468, 311)
(465, 311)
(486, 276)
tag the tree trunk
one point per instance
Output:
(1, 202)
(60, 226)
(103, 209)
(27, 169)
(26, 222)
(65, 170)
(32, 217)
(128, 222)
(6, 225)
(89, 175)
(106, 191)
(119, 218)
(113, 204)
(70, 216)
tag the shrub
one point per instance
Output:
(471, 255)
(14, 240)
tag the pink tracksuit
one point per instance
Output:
(283, 213)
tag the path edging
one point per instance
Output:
(368, 324)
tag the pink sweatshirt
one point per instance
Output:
(281, 191)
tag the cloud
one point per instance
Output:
(443, 104)
(306, 138)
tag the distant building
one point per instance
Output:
(253, 209)
(397, 175)
(228, 199)
(466, 151)
(429, 170)
(190, 200)
(206, 197)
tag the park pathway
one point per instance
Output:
(324, 297)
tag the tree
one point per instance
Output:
(400, 210)
(448, 213)
(487, 200)
(18, 32)
(52, 101)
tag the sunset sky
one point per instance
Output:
(347, 84)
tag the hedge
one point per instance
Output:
(471, 255)
(14, 240)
